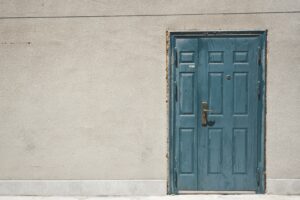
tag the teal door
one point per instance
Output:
(216, 105)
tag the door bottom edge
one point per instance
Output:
(215, 192)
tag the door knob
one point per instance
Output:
(205, 110)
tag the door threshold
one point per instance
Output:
(215, 192)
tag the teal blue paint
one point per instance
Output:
(261, 114)
(222, 69)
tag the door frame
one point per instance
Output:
(171, 59)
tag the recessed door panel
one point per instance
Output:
(240, 93)
(215, 151)
(239, 151)
(186, 138)
(186, 91)
(215, 85)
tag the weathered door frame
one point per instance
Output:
(171, 59)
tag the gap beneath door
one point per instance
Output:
(216, 192)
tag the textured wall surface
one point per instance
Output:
(85, 97)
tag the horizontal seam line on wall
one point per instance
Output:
(150, 15)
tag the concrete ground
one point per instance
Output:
(178, 197)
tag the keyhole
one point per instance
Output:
(228, 77)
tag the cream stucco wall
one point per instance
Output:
(83, 84)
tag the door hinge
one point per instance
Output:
(176, 173)
(258, 177)
(175, 179)
(175, 57)
(259, 56)
(258, 90)
(175, 91)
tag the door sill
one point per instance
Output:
(216, 192)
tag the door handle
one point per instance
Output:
(205, 110)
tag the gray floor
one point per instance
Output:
(178, 197)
